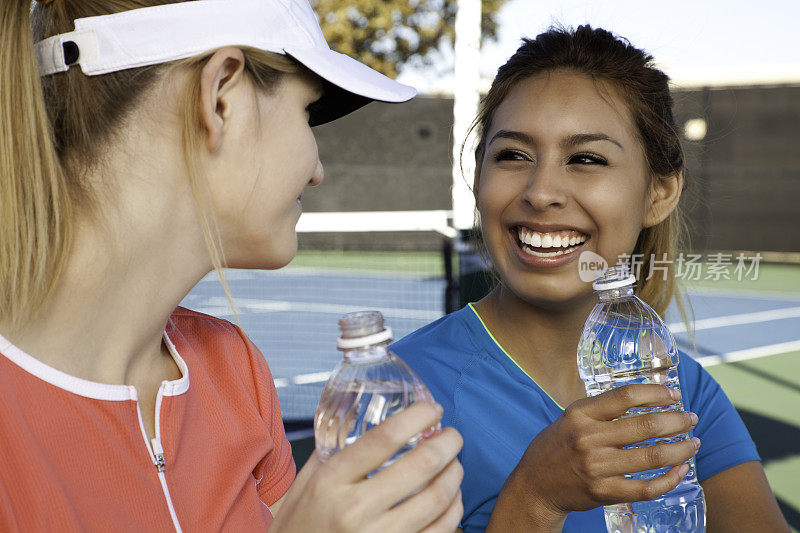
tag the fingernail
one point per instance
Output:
(675, 394)
(693, 418)
(696, 443)
(683, 469)
(439, 408)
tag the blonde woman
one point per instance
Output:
(578, 152)
(144, 143)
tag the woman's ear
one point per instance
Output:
(665, 192)
(222, 72)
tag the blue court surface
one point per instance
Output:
(291, 315)
(748, 340)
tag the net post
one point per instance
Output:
(465, 105)
(451, 292)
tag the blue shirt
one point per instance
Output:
(499, 409)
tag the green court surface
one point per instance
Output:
(772, 279)
(766, 391)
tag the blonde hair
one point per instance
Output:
(599, 54)
(53, 129)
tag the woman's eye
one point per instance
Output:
(586, 159)
(510, 155)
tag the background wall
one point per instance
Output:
(744, 175)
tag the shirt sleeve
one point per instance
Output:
(274, 473)
(724, 439)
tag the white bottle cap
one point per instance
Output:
(358, 342)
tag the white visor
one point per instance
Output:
(153, 35)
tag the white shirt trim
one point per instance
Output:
(181, 385)
(86, 388)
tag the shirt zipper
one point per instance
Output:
(157, 453)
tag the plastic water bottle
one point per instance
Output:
(369, 384)
(624, 341)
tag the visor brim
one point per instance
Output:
(347, 84)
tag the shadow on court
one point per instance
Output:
(775, 440)
(301, 435)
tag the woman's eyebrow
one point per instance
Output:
(568, 142)
(583, 138)
(514, 135)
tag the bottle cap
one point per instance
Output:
(357, 342)
(614, 278)
(362, 328)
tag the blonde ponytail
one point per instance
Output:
(34, 201)
(57, 128)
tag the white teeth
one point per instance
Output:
(543, 254)
(563, 239)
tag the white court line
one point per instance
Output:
(733, 320)
(272, 306)
(302, 379)
(316, 377)
(217, 306)
(706, 361)
(749, 353)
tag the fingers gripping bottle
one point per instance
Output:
(369, 384)
(623, 342)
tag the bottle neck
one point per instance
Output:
(616, 293)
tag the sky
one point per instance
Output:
(696, 42)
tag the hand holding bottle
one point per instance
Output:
(579, 462)
(417, 492)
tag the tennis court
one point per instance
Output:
(747, 334)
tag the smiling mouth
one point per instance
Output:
(548, 244)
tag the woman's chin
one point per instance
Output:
(552, 297)
(264, 258)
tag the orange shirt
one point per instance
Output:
(74, 455)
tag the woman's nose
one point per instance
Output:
(545, 189)
(318, 176)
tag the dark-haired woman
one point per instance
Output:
(577, 152)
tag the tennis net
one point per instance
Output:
(391, 261)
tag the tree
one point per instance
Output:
(386, 34)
